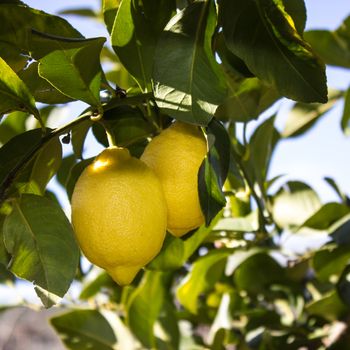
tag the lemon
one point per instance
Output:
(175, 155)
(119, 213)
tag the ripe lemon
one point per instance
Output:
(175, 155)
(119, 213)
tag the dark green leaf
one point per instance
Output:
(64, 170)
(145, 305)
(333, 47)
(78, 137)
(74, 174)
(15, 152)
(82, 12)
(84, 329)
(330, 307)
(263, 34)
(204, 273)
(41, 242)
(336, 188)
(136, 29)
(109, 9)
(4, 256)
(343, 286)
(176, 251)
(247, 102)
(183, 57)
(330, 261)
(41, 89)
(72, 66)
(294, 203)
(327, 215)
(345, 121)
(13, 56)
(12, 125)
(304, 115)
(342, 234)
(14, 94)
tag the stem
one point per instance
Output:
(110, 134)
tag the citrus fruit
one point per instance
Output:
(175, 155)
(119, 213)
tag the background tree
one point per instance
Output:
(219, 65)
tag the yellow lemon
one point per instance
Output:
(175, 155)
(119, 213)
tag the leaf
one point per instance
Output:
(327, 215)
(84, 329)
(337, 189)
(80, 11)
(12, 55)
(41, 89)
(141, 313)
(264, 36)
(74, 174)
(41, 242)
(343, 286)
(109, 9)
(183, 57)
(341, 234)
(329, 262)
(332, 46)
(345, 121)
(297, 10)
(249, 223)
(14, 94)
(247, 102)
(304, 115)
(136, 29)
(294, 203)
(330, 307)
(79, 134)
(72, 66)
(14, 153)
(101, 281)
(12, 125)
(176, 251)
(204, 273)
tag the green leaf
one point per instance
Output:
(183, 57)
(14, 94)
(249, 223)
(345, 121)
(80, 11)
(326, 216)
(332, 46)
(261, 147)
(72, 66)
(91, 289)
(12, 125)
(14, 153)
(109, 9)
(341, 233)
(304, 115)
(13, 56)
(63, 172)
(264, 36)
(4, 257)
(257, 273)
(41, 242)
(204, 273)
(337, 189)
(79, 134)
(84, 329)
(297, 10)
(329, 262)
(41, 89)
(74, 174)
(176, 251)
(136, 29)
(343, 286)
(145, 305)
(247, 102)
(294, 203)
(330, 307)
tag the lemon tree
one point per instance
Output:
(149, 218)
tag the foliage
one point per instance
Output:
(220, 65)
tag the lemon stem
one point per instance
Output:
(110, 135)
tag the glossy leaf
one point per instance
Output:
(79, 134)
(40, 239)
(135, 33)
(84, 329)
(41, 89)
(327, 215)
(330, 261)
(332, 46)
(14, 94)
(109, 9)
(204, 272)
(345, 121)
(264, 36)
(304, 115)
(251, 98)
(141, 313)
(176, 251)
(72, 66)
(294, 203)
(297, 10)
(183, 57)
